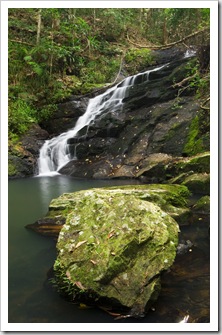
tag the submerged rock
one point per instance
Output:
(114, 246)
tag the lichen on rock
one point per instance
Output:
(113, 247)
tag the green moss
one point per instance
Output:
(12, 170)
(194, 143)
(187, 166)
(114, 240)
(202, 205)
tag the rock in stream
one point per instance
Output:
(113, 247)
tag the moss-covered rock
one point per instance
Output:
(198, 139)
(202, 206)
(24, 152)
(170, 198)
(115, 244)
(19, 167)
(199, 163)
(198, 183)
(164, 168)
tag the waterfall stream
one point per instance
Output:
(55, 153)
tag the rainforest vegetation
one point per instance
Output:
(55, 53)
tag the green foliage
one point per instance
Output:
(200, 81)
(46, 112)
(36, 68)
(20, 116)
(81, 48)
(138, 59)
(203, 88)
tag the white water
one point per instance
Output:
(55, 152)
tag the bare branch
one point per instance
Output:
(22, 42)
(166, 46)
(185, 80)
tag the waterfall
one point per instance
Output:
(55, 152)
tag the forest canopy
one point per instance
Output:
(57, 52)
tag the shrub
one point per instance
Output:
(20, 116)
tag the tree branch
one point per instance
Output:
(184, 81)
(204, 103)
(22, 42)
(166, 46)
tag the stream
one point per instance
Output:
(32, 298)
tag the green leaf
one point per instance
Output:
(27, 58)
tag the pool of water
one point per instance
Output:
(32, 299)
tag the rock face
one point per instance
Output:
(156, 119)
(22, 159)
(115, 243)
(66, 115)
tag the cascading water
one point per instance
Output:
(55, 152)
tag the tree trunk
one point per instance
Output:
(39, 18)
(164, 31)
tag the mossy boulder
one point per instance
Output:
(173, 170)
(170, 198)
(19, 167)
(199, 163)
(198, 183)
(115, 244)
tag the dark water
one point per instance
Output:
(32, 299)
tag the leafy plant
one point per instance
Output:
(20, 116)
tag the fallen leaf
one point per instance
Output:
(68, 275)
(79, 285)
(79, 243)
(111, 234)
(93, 262)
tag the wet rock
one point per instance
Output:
(34, 139)
(184, 247)
(157, 130)
(19, 167)
(173, 170)
(153, 120)
(65, 116)
(198, 183)
(114, 246)
(47, 226)
(23, 157)
(202, 206)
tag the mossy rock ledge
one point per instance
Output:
(113, 247)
